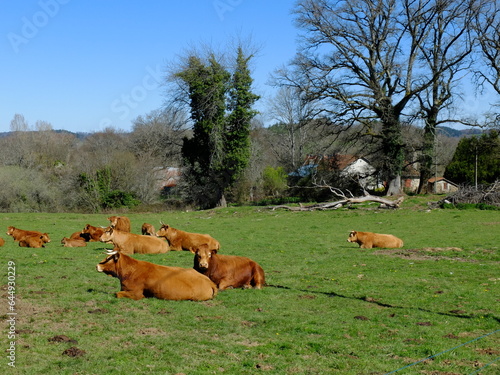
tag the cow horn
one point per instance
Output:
(111, 252)
(161, 222)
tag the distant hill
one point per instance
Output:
(450, 132)
(78, 134)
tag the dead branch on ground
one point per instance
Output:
(384, 203)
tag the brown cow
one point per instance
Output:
(130, 243)
(95, 233)
(72, 242)
(120, 223)
(139, 279)
(368, 240)
(180, 240)
(2, 241)
(80, 236)
(20, 234)
(228, 271)
(148, 230)
(33, 241)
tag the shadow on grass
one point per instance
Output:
(378, 303)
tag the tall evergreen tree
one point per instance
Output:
(221, 110)
(237, 132)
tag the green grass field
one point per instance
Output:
(329, 307)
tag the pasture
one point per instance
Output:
(329, 307)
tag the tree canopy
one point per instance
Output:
(367, 62)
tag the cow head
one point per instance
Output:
(10, 230)
(353, 236)
(45, 237)
(109, 265)
(113, 221)
(164, 230)
(107, 235)
(202, 256)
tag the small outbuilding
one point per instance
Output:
(440, 185)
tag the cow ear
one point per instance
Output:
(193, 250)
(214, 251)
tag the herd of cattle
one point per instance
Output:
(211, 271)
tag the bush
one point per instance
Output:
(26, 190)
(118, 199)
(470, 206)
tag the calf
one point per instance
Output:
(72, 242)
(180, 240)
(131, 243)
(32, 241)
(368, 240)
(2, 241)
(139, 279)
(120, 223)
(20, 234)
(228, 271)
(148, 230)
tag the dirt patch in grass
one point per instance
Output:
(151, 331)
(74, 352)
(425, 253)
(62, 338)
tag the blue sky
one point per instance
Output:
(84, 65)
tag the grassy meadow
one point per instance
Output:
(329, 307)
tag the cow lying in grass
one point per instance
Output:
(92, 233)
(228, 271)
(131, 243)
(73, 242)
(368, 240)
(33, 241)
(139, 279)
(28, 238)
(20, 234)
(180, 240)
(80, 236)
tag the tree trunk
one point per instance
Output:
(394, 186)
(392, 146)
(222, 202)
(428, 152)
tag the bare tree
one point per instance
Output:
(362, 61)
(488, 28)
(445, 48)
(159, 134)
(292, 114)
(19, 123)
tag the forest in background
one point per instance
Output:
(378, 80)
(58, 171)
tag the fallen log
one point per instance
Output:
(384, 203)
